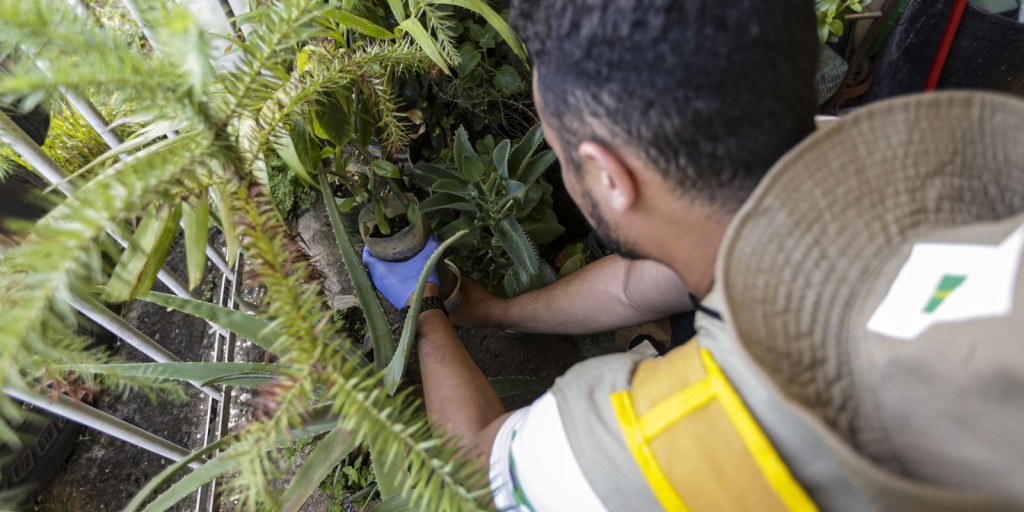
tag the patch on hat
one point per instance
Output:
(943, 283)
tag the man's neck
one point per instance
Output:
(691, 250)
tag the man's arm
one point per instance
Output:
(458, 397)
(608, 294)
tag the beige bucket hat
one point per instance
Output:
(875, 276)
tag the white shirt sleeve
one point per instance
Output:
(532, 467)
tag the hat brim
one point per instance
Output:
(835, 208)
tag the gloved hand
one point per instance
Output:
(397, 280)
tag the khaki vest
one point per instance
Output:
(703, 429)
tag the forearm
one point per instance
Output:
(458, 397)
(608, 294)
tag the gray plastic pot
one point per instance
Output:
(398, 246)
(407, 243)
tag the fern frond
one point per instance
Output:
(442, 24)
(77, 54)
(60, 255)
(269, 54)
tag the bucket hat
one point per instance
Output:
(875, 278)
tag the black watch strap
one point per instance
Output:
(432, 302)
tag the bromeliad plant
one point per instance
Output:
(497, 192)
(199, 158)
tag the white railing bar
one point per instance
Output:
(103, 422)
(124, 330)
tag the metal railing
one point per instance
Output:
(219, 15)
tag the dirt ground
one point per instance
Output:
(104, 473)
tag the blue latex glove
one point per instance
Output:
(397, 280)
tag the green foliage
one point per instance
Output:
(489, 94)
(496, 191)
(350, 483)
(291, 196)
(360, 126)
(830, 17)
(200, 129)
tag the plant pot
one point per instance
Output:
(987, 53)
(399, 246)
(407, 243)
(451, 285)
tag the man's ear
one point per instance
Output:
(615, 181)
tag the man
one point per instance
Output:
(665, 116)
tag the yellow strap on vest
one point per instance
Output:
(697, 444)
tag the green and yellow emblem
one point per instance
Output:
(947, 284)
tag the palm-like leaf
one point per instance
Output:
(204, 129)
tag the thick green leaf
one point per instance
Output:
(334, 118)
(529, 200)
(542, 228)
(391, 472)
(500, 158)
(574, 263)
(462, 224)
(196, 223)
(517, 245)
(380, 218)
(494, 19)
(448, 202)
(469, 57)
(422, 38)
(396, 369)
(228, 223)
(506, 386)
(463, 149)
(513, 190)
(244, 325)
(472, 168)
(507, 79)
(191, 371)
(376, 321)
(385, 169)
(317, 466)
(361, 25)
(242, 380)
(427, 174)
(439, 201)
(347, 204)
(145, 255)
(522, 151)
(536, 167)
(296, 149)
(453, 187)
(518, 281)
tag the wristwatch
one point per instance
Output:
(432, 302)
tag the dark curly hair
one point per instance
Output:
(708, 92)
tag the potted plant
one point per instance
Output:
(498, 193)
